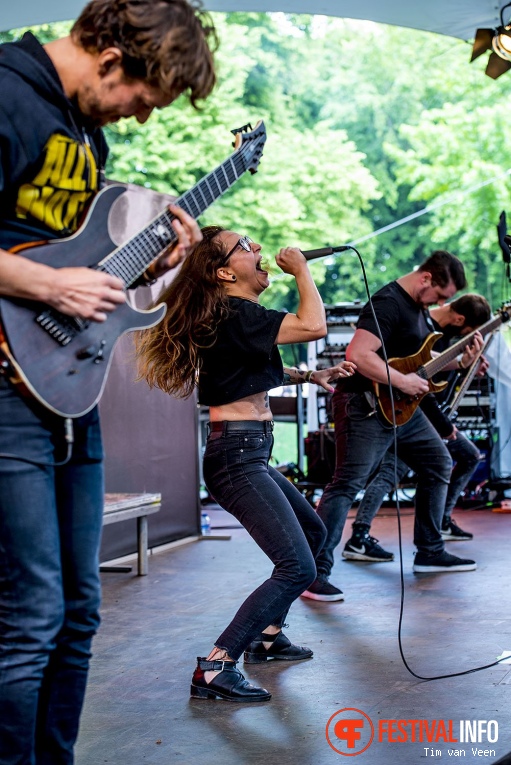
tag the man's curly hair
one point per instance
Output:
(167, 43)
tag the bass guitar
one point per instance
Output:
(426, 367)
(63, 361)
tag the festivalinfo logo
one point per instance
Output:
(351, 731)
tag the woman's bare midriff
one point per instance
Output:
(256, 407)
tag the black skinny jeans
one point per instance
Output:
(277, 517)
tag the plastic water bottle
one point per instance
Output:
(205, 523)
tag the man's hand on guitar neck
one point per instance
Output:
(188, 235)
(470, 353)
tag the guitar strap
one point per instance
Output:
(428, 320)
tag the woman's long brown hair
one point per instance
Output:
(169, 353)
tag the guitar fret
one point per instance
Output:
(131, 260)
(239, 161)
(188, 203)
(225, 176)
(206, 181)
(204, 200)
(205, 191)
(232, 175)
(215, 178)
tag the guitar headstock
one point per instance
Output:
(505, 311)
(249, 143)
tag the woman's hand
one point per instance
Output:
(323, 377)
(291, 260)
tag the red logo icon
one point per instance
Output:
(349, 731)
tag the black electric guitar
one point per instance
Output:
(63, 361)
(426, 367)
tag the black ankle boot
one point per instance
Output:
(281, 648)
(229, 684)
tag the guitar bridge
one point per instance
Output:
(62, 328)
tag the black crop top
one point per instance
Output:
(244, 358)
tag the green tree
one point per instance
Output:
(367, 124)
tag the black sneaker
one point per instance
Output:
(444, 561)
(321, 589)
(366, 548)
(451, 532)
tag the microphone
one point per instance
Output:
(324, 251)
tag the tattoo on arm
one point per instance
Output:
(294, 376)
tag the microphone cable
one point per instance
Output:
(69, 440)
(398, 507)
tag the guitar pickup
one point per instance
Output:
(62, 328)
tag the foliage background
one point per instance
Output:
(367, 124)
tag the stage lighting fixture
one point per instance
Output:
(499, 42)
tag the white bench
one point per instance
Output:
(123, 507)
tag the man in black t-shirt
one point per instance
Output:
(121, 58)
(456, 319)
(363, 436)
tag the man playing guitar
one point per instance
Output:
(120, 59)
(362, 435)
(455, 319)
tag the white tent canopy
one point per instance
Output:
(457, 18)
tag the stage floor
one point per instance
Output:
(138, 710)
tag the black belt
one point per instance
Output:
(242, 426)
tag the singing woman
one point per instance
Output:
(217, 336)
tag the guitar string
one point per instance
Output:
(147, 244)
(153, 243)
(130, 260)
(398, 513)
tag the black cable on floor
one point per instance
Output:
(398, 509)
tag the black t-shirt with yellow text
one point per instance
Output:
(50, 161)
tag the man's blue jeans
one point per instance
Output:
(463, 452)
(277, 517)
(50, 528)
(361, 440)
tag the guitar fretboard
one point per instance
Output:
(129, 261)
(434, 366)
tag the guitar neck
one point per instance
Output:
(129, 261)
(431, 368)
(471, 373)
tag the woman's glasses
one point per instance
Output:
(244, 241)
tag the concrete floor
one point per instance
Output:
(138, 709)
